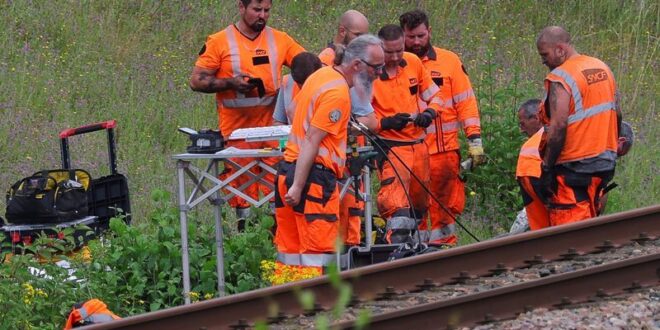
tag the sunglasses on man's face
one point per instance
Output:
(376, 67)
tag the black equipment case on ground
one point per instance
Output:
(361, 256)
(105, 196)
(109, 194)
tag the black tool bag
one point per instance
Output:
(49, 197)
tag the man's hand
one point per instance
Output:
(476, 151)
(292, 196)
(425, 118)
(396, 122)
(240, 84)
(548, 182)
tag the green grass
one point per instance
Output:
(69, 63)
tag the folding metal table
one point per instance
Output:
(213, 193)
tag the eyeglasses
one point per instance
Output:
(376, 67)
(357, 34)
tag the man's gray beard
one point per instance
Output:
(363, 86)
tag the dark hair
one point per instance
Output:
(413, 19)
(530, 108)
(390, 32)
(303, 65)
(248, 2)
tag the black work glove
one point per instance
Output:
(548, 183)
(425, 118)
(396, 122)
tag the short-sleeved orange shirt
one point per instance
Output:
(232, 54)
(324, 103)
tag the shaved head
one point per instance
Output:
(554, 35)
(352, 18)
(554, 46)
(352, 24)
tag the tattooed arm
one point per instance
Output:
(204, 80)
(559, 102)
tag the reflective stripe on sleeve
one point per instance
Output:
(463, 96)
(471, 122)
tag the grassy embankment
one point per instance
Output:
(69, 63)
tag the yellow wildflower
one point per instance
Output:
(194, 296)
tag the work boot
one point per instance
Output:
(242, 213)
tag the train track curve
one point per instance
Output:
(392, 280)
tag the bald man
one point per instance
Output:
(582, 119)
(352, 24)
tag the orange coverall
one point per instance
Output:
(459, 110)
(233, 54)
(306, 233)
(401, 94)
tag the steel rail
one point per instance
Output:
(407, 274)
(585, 285)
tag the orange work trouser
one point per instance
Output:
(449, 190)
(350, 210)
(306, 233)
(254, 189)
(577, 196)
(394, 190)
(537, 213)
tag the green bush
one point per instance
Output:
(133, 269)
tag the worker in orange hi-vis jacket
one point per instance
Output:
(307, 195)
(459, 110)
(93, 311)
(242, 65)
(528, 169)
(582, 117)
(402, 200)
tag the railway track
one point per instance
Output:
(396, 281)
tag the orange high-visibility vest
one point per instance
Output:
(401, 94)
(324, 103)
(529, 159)
(459, 104)
(93, 311)
(592, 124)
(233, 54)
